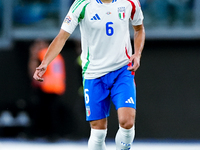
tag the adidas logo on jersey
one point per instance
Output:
(96, 17)
(130, 101)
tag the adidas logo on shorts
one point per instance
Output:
(130, 101)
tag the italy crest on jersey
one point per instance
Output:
(121, 11)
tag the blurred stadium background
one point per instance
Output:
(168, 97)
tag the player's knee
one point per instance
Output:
(99, 124)
(127, 124)
(126, 117)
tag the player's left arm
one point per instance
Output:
(139, 40)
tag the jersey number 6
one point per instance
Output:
(109, 29)
(86, 96)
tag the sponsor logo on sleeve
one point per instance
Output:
(68, 20)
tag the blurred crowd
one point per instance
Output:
(51, 13)
(157, 12)
(168, 12)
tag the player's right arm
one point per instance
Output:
(74, 16)
(54, 49)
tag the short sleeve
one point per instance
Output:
(137, 14)
(73, 17)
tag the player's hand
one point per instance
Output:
(135, 60)
(39, 73)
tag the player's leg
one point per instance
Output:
(97, 105)
(126, 117)
(99, 124)
(126, 132)
(98, 135)
(123, 96)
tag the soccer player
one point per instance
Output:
(107, 62)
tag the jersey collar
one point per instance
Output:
(100, 2)
(114, 1)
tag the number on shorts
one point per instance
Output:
(86, 96)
